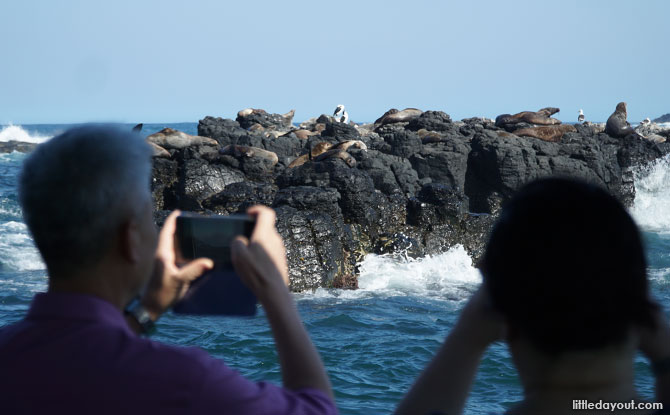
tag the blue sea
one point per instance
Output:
(375, 340)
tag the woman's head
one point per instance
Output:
(565, 266)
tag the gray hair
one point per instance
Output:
(78, 187)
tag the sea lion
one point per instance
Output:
(551, 133)
(617, 126)
(239, 151)
(256, 127)
(248, 111)
(345, 145)
(317, 149)
(429, 136)
(288, 117)
(159, 151)
(406, 115)
(540, 117)
(389, 112)
(169, 138)
(340, 154)
(138, 127)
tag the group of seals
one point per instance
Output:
(323, 150)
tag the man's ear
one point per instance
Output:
(129, 241)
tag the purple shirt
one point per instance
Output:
(75, 354)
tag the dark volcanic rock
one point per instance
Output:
(341, 131)
(431, 121)
(401, 197)
(164, 183)
(444, 162)
(662, 118)
(389, 173)
(238, 197)
(399, 141)
(312, 226)
(199, 180)
(224, 131)
(270, 121)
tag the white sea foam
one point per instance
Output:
(17, 251)
(16, 133)
(449, 275)
(651, 208)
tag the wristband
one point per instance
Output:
(660, 367)
(139, 313)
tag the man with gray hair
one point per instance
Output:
(86, 200)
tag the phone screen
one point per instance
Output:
(219, 291)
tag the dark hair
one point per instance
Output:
(565, 265)
(76, 189)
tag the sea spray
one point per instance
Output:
(17, 133)
(651, 208)
(449, 276)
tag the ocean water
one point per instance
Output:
(374, 341)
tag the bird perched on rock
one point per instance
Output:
(645, 121)
(340, 114)
(581, 116)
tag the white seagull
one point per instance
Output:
(581, 116)
(340, 114)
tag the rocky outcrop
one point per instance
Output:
(19, 146)
(662, 118)
(418, 185)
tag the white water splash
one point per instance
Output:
(17, 251)
(651, 208)
(449, 275)
(16, 133)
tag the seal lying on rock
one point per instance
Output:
(159, 151)
(239, 151)
(551, 133)
(304, 133)
(617, 126)
(345, 145)
(653, 132)
(337, 153)
(173, 139)
(429, 136)
(540, 117)
(322, 147)
(393, 116)
(319, 148)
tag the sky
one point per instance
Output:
(174, 61)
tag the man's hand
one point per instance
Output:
(169, 282)
(261, 260)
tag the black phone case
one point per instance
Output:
(219, 291)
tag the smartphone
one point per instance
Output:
(220, 290)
